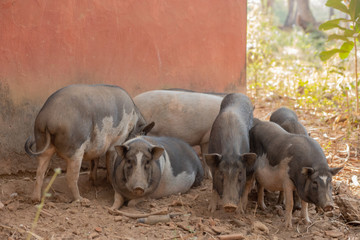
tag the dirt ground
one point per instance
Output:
(190, 219)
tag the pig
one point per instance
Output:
(229, 159)
(288, 162)
(181, 114)
(82, 122)
(289, 121)
(153, 167)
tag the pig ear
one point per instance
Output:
(148, 128)
(213, 160)
(156, 152)
(334, 171)
(307, 171)
(249, 159)
(121, 150)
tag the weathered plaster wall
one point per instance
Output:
(136, 44)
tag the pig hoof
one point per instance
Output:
(288, 225)
(84, 202)
(112, 210)
(240, 210)
(307, 220)
(230, 208)
(133, 202)
(34, 200)
(212, 208)
(262, 206)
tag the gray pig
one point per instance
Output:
(289, 121)
(154, 167)
(229, 158)
(181, 114)
(288, 162)
(82, 122)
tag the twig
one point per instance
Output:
(354, 222)
(231, 236)
(307, 229)
(41, 205)
(35, 235)
(138, 215)
(21, 231)
(46, 213)
(195, 197)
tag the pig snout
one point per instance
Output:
(230, 207)
(138, 191)
(328, 207)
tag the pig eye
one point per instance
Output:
(147, 162)
(315, 184)
(128, 163)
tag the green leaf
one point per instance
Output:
(325, 55)
(331, 24)
(346, 49)
(337, 37)
(349, 33)
(337, 4)
(354, 9)
(326, 26)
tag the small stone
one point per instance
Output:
(268, 221)
(334, 233)
(72, 211)
(260, 227)
(98, 229)
(1, 205)
(13, 195)
(13, 206)
(93, 235)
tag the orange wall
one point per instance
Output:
(136, 44)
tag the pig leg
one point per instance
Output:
(244, 198)
(281, 198)
(304, 211)
(93, 170)
(118, 201)
(133, 202)
(204, 149)
(214, 201)
(109, 164)
(260, 192)
(72, 175)
(44, 160)
(289, 202)
(297, 201)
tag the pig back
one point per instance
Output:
(76, 110)
(184, 115)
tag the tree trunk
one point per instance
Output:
(305, 18)
(267, 5)
(290, 18)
